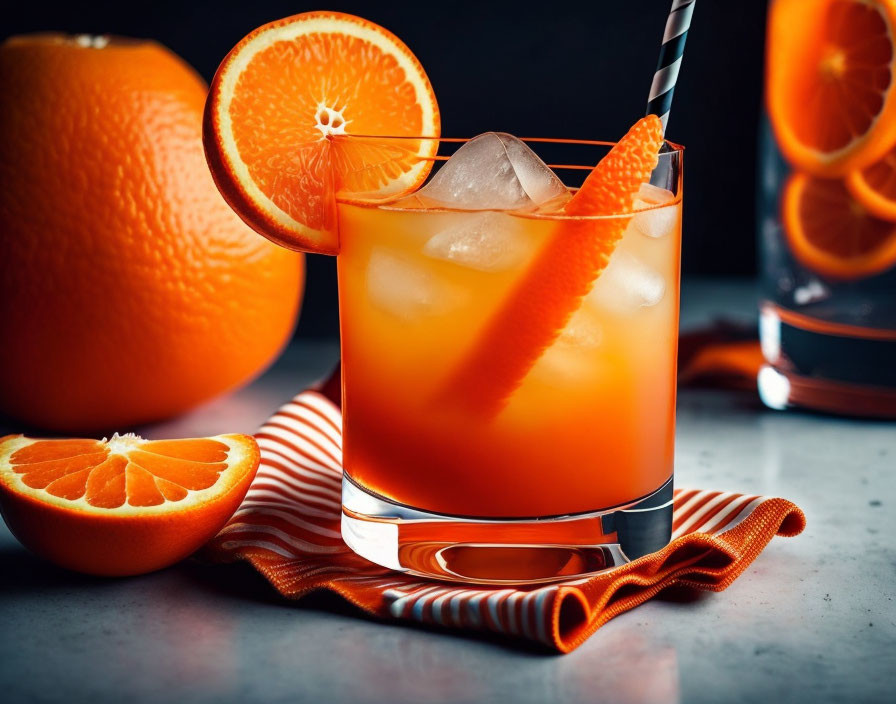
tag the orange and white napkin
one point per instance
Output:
(288, 529)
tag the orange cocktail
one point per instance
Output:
(590, 424)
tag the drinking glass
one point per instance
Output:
(828, 308)
(572, 472)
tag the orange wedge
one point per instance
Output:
(831, 233)
(831, 65)
(874, 186)
(279, 102)
(541, 304)
(125, 505)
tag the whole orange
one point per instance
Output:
(129, 290)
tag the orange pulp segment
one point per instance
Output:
(830, 71)
(561, 274)
(833, 234)
(125, 471)
(284, 92)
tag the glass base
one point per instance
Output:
(826, 365)
(502, 551)
(780, 389)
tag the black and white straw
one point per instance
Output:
(671, 52)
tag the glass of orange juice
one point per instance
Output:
(486, 448)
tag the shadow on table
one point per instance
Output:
(21, 572)
(679, 594)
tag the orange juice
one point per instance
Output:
(591, 424)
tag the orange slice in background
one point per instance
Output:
(874, 186)
(281, 96)
(563, 272)
(831, 66)
(833, 234)
(125, 505)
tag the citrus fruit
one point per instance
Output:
(129, 291)
(280, 102)
(124, 505)
(831, 65)
(831, 233)
(874, 186)
(564, 271)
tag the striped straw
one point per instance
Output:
(671, 52)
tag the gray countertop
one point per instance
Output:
(812, 619)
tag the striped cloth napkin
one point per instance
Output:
(288, 529)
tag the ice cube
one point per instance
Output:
(582, 331)
(405, 288)
(654, 221)
(555, 205)
(571, 358)
(494, 171)
(483, 241)
(626, 285)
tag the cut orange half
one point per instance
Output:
(564, 271)
(281, 96)
(874, 186)
(125, 505)
(831, 66)
(831, 233)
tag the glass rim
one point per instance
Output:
(388, 203)
(674, 146)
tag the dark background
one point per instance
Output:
(559, 69)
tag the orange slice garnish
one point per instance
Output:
(830, 70)
(874, 186)
(833, 234)
(125, 505)
(563, 272)
(284, 92)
